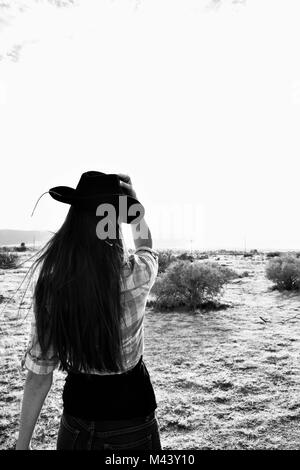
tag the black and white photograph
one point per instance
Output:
(149, 228)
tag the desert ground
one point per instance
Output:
(225, 379)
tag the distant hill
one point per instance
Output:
(16, 237)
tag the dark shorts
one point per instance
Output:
(136, 434)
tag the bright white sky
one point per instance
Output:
(201, 106)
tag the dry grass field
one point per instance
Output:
(226, 379)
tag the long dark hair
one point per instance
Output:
(77, 297)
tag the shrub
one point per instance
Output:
(273, 254)
(165, 258)
(284, 271)
(5, 249)
(244, 274)
(200, 254)
(203, 257)
(10, 249)
(185, 257)
(8, 260)
(22, 247)
(190, 284)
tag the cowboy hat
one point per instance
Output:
(95, 188)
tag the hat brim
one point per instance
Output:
(70, 196)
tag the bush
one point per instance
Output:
(284, 271)
(273, 254)
(185, 257)
(200, 254)
(5, 249)
(165, 258)
(8, 260)
(11, 249)
(22, 247)
(244, 274)
(190, 284)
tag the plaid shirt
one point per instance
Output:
(138, 278)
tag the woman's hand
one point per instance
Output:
(126, 185)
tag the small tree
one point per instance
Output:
(8, 260)
(190, 284)
(284, 271)
(165, 258)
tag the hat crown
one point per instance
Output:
(96, 183)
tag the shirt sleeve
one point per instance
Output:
(145, 266)
(34, 360)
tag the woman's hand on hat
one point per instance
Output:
(126, 184)
(125, 178)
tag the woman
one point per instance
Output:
(89, 304)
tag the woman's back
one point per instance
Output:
(137, 277)
(89, 307)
